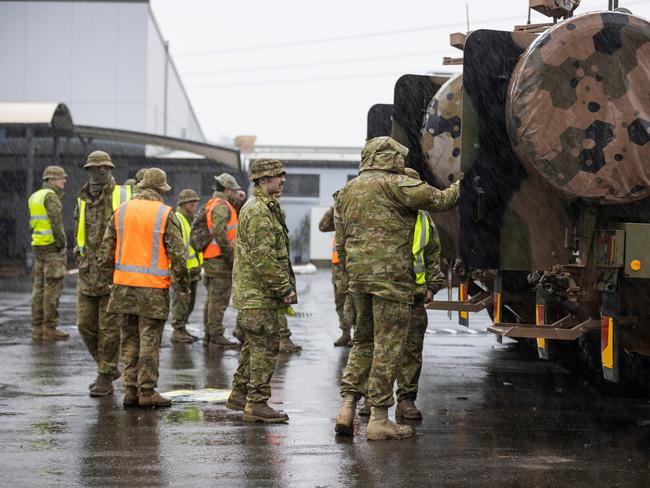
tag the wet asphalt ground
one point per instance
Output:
(491, 417)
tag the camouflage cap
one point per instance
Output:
(265, 167)
(139, 175)
(98, 158)
(156, 179)
(411, 173)
(187, 195)
(228, 181)
(54, 172)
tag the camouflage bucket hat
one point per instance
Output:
(139, 175)
(156, 179)
(265, 167)
(98, 158)
(187, 195)
(228, 181)
(54, 172)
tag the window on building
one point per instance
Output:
(298, 185)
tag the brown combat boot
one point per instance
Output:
(287, 345)
(103, 386)
(52, 334)
(37, 333)
(345, 340)
(406, 409)
(130, 397)
(364, 408)
(236, 400)
(115, 375)
(181, 336)
(261, 412)
(221, 341)
(150, 398)
(345, 419)
(381, 428)
(239, 334)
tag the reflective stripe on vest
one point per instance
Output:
(213, 250)
(420, 240)
(140, 256)
(39, 222)
(121, 194)
(335, 254)
(192, 258)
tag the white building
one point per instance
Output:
(107, 61)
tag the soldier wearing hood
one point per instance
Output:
(374, 239)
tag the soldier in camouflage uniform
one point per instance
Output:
(96, 201)
(48, 246)
(410, 367)
(326, 224)
(264, 285)
(374, 238)
(218, 270)
(182, 304)
(141, 311)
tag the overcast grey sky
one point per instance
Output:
(270, 67)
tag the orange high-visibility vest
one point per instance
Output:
(140, 255)
(335, 254)
(213, 250)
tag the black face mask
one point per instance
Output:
(98, 179)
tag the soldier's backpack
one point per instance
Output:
(200, 236)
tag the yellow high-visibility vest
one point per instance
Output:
(194, 259)
(121, 194)
(420, 241)
(39, 222)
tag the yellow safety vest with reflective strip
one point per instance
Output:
(39, 222)
(121, 194)
(420, 241)
(194, 259)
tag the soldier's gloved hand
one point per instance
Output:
(290, 298)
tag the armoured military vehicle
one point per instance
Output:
(552, 233)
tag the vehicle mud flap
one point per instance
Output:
(540, 319)
(609, 336)
(497, 297)
(463, 296)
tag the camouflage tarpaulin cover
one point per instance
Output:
(440, 134)
(578, 110)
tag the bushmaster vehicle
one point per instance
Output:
(550, 125)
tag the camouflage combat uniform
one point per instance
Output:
(410, 366)
(140, 313)
(262, 278)
(218, 272)
(326, 224)
(101, 338)
(183, 304)
(49, 266)
(374, 237)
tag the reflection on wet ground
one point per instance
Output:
(492, 418)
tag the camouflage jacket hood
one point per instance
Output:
(383, 154)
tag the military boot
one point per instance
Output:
(381, 428)
(345, 418)
(406, 409)
(130, 397)
(364, 408)
(239, 334)
(52, 334)
(345, 340)
(103, 386)
(287, 345)
(181, 335)
(221, 341)
(236, 400)
(150, 398)
(37, 333)
(115, 375)
(261, 412)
